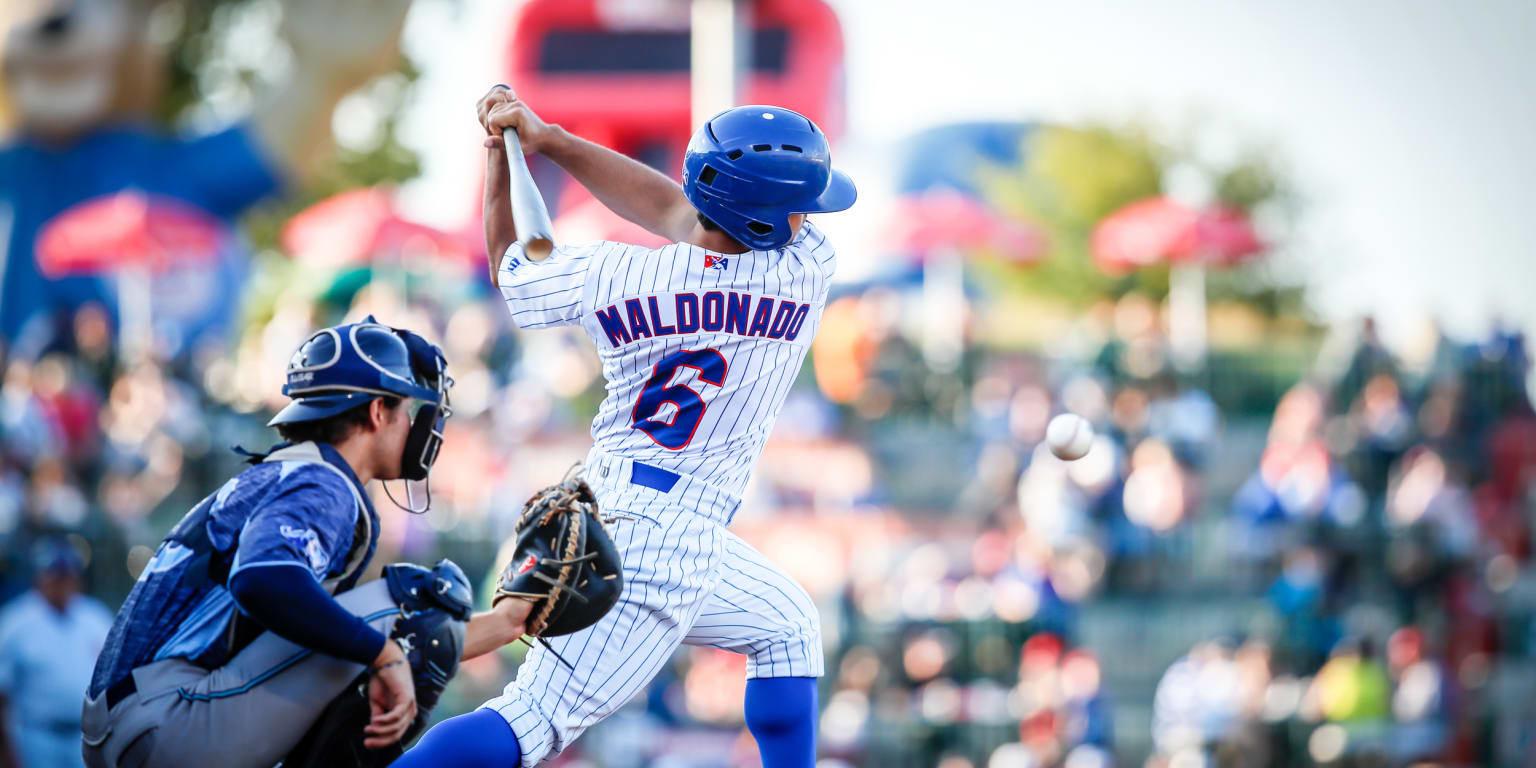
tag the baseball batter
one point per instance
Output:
(700, 342)
(247, 639)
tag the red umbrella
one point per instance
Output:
(946, 219)
(1142, 234)
(1225, 237)
(1158, 230)
(362, 225)
(127, 230)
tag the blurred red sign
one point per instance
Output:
(127, 229)
(945, 219)
(362, 225)
(1162, 231)
(619, 72)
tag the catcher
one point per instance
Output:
(248, 640)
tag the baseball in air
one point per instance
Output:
(1069, 436)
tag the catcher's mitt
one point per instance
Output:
(564, 562)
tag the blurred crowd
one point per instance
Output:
(1382, 529)
(1388, 526)
(1368, 548)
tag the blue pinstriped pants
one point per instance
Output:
(688, 580)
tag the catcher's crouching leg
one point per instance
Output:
(435, 605)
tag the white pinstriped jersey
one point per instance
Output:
(699, 348)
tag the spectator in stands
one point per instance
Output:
(1502, 501)
(1418, 697)
(1298, 597)
(1370, 359)
(1087, 718)
(1353, 685)
(1197, 702)
(49, 639)
(1380, 430)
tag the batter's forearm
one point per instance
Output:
(626, 186)
(500, 229)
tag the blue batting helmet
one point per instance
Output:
(346, 366)
(749, 168)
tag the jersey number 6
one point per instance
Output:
(677, 433)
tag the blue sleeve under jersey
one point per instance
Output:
(293, 606)
(300, 536)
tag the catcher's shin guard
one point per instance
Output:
(435, 605)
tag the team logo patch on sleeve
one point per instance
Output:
(170, 555)
(309, 543)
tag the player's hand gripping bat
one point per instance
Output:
(529, 215)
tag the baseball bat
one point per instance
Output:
(529, 216)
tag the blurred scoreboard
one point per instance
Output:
(618, 72)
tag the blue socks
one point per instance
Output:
(781, 714)
(480, 739)
(780, 711)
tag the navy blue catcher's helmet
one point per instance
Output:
(749, 168)
(343, 367)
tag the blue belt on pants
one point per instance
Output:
(651, 477)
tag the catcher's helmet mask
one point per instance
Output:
(340, 368)
(749, 169)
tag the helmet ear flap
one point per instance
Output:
(756, 227)
(770, 229)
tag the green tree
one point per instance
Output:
(227, 52)
(224, 56)
(1071, 177)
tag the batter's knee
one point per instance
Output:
(796, 652)
(535, 731)
(809, 633)
(809, 630)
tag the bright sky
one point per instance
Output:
(1406, 124)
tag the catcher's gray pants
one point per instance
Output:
(245, 714)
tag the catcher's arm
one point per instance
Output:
(489, 630)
